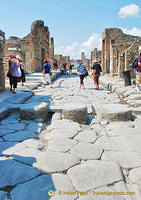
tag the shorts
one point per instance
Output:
(46, 78)
(138, 77)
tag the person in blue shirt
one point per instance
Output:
(82, 72)
(46, 73)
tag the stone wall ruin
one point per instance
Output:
(2, 74)
(32, 48)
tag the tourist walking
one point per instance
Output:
(13, 68)
(55, 65)
(9, 74)
(70, 69)
(138, 71)
(96, 72)
(46, 73)
(22, 72)
(82, 72)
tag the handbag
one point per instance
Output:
(50, 73)
(19, 72)
(101, 73)
(86, 74)
(9, 74)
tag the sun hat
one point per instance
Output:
(139, 48)
(18, 57)
(95, 61)
(12, 56)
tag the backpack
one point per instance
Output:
(135, 63)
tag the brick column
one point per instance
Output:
(2, 74)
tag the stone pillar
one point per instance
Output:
(127, 60)
(121, 64)
(51, 50)
(2, 74)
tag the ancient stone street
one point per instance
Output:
(82, 144)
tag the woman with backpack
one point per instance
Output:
(96, 73)
(46, 73)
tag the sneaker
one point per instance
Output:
(137, 89)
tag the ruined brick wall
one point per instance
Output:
(13, 47)
(36, 46)
(62, 59)
(2, 74)
(95, 55)
(32, 49)
(111, 60)
(85, 60)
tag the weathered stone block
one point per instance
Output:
(76, 112)
(113, 112)
(34, 110)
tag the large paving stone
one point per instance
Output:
(135, 176)
(124, 132)
(61, 144)
(34, 110)
(87, 136)
(98, 194)
(86, 151)
(93, 174)
(133, 190)
(35, 127)
(126, 143)
(66, 132)
(8, 148)
(19, 136)
(3, 196)
(14, 127)
(126, 160)
(26, 155)
(8, 121)
(113, 112)
(76, 112)
(5, 132)
(66, 124)
(50, 161)
(43, 184)
(13, 173)
(33, 143)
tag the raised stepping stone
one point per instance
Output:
(86, 151)
(13, 173)
(87, 136)
(61, 144)
(50, 161)
(113, 112)
(93, 174)
(76, 112)
(135, 176)
(42, 185)
(124, 159)
(34, 110)
(4, 112)
(3, 196)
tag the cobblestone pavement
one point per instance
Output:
(99, 160)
